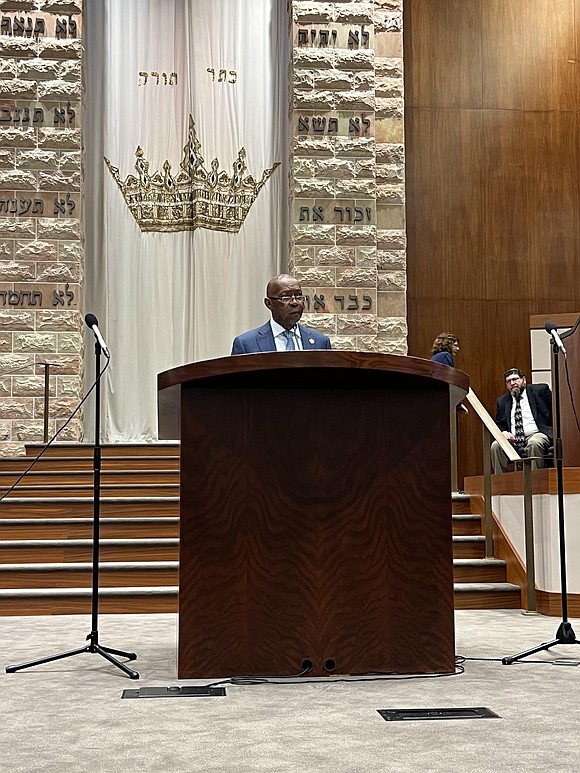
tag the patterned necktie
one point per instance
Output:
(519, 425)
(290, 345)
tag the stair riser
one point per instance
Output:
(466, 528)
(488, 600)
(131, 449)
(468, 550)
(82, 606)
(41, 554)
(479, 573)
(108, 578)
(80, 478)
(65, 578)
(46, 464)
(107, 490)
(169, 604)
(85, 531)
(69, 554)
(85, 509)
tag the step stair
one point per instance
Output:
(82, 507)
(84, 478)
(82, 528)
(479, 582)
(46, 529)
(64, 490)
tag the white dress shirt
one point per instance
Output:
(530, 426)
(280, 339)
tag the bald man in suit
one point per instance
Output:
(282, 332)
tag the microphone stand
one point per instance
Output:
(565, 633)
(93, 638)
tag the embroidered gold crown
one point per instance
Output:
(194, 198)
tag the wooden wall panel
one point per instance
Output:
(507, 237)
(443, 75)
(528, 54)
(445, 198)
(530, 203)
(493, 187)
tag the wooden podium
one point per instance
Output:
(315, 513)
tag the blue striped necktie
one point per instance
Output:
(290, 345)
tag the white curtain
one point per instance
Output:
(165, 299)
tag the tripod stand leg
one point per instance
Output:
(120, 653)
(104, 652)
(512, 658)
(564, 635)
(49, 659)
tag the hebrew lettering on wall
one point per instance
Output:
(59, 27)
(40, 297)
(336, 303)
(341, 215)
(35, 116)
(342, 125)
(320, 36)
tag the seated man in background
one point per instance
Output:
(282, 333)
(524, 414)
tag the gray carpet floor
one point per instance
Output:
(69, 715)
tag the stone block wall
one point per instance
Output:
(346, 189)
(41, 246)
(347, 181)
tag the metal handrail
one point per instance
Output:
(529, 535)
(453, 447)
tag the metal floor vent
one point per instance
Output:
(174, 692)
(395, 715)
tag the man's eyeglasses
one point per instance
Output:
(287, 298)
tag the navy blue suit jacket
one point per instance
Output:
(445, 358)
(540, 399)
(262, 340)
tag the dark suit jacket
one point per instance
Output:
(262, 340)
(540, 399)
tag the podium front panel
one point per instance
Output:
(315, 526)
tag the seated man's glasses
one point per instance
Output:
(287, 298)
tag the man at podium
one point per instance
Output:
(281, 333)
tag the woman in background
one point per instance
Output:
(445, 348)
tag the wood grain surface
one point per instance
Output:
(315, 525)
(493, 181)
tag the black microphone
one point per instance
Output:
(93, 323)
(553, 331)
